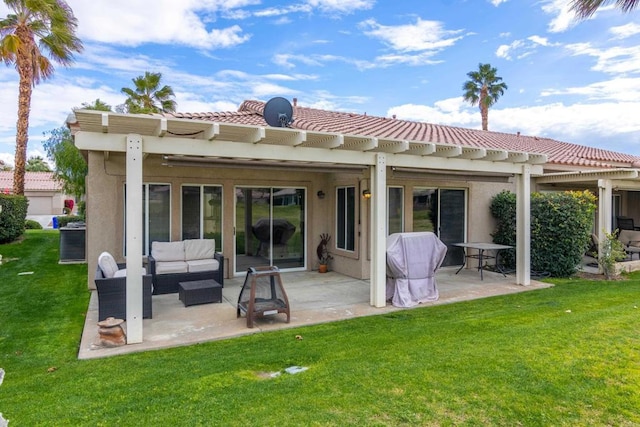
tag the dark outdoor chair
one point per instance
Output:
(112, 295)
(625, 223)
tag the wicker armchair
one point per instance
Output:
(112, 296)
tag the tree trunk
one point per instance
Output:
(22, 126)
(484, 109)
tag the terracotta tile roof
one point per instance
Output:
(33, 181)
(558, 152)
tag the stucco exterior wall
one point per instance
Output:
(105, 206)
(105, 201)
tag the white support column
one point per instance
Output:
(134, 238)
(379, 231)
(604, 208)
(523, 226)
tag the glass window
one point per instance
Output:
(202, 213)
(345, 218)
(156, 215)
(395, 210)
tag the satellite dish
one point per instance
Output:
(278, 112)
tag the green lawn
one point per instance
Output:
(567, 355)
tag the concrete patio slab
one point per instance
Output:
(314, 298)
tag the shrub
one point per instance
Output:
(32, 225)
(64, 220)
(14, 212)
(611, 251)
(81, 208)
(561, 225)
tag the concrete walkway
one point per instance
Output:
(314, 298)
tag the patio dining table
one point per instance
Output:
(480, 255)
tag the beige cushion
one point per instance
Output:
(167, 267)
(123, 272)
(629, 237)
(167, 251)
(199, 249)
(203, 265)
(107, 264)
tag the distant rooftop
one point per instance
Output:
(33, 181)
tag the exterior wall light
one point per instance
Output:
(320, 194)
(366, 194)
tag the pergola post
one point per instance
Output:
(523, 226)
(604, 208)
(379, 231)
(134, 238)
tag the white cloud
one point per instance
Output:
(402, 59)
(603, 123)
(614, 60)
(543, 41)
(497, 2)
(617, 89)
(563, 17)
(341, 6)
(505, 50)
(522, 48)
(624, 31)
(133, 22)
(8, 159)
(421, 36)
(320, 60)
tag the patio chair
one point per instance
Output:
(631, 241)
(111, 285)
(626, 223)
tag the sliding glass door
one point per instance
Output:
(202, 213)
(269, 227)
(444, 212)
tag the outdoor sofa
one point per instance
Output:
(111, 285)
(184, 261)
(630, 239)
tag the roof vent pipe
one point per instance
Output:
(295, 102)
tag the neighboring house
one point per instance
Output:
(41, 189)
(229, 175)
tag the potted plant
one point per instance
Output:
(323, 252)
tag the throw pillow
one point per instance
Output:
(107, 264)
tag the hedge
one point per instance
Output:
(561, 225)
(12, 217)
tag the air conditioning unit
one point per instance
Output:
(73, 243)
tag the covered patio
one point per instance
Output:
(125, 151)
(314, 298)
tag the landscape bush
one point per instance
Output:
(12, 217)
(64, 220)
(32, 225)
(561, 225)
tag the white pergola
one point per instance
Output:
(197, 141)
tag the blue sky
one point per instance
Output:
(575, 81)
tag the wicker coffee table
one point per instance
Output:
(199, 292)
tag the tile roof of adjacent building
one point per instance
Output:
(558, 152)
(33, 181)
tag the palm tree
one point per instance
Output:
(148, 96)
(37, 164)
(35, 31)
(586, 8)
(98, 105)
(484, 89)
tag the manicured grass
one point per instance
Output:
(567, 355)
